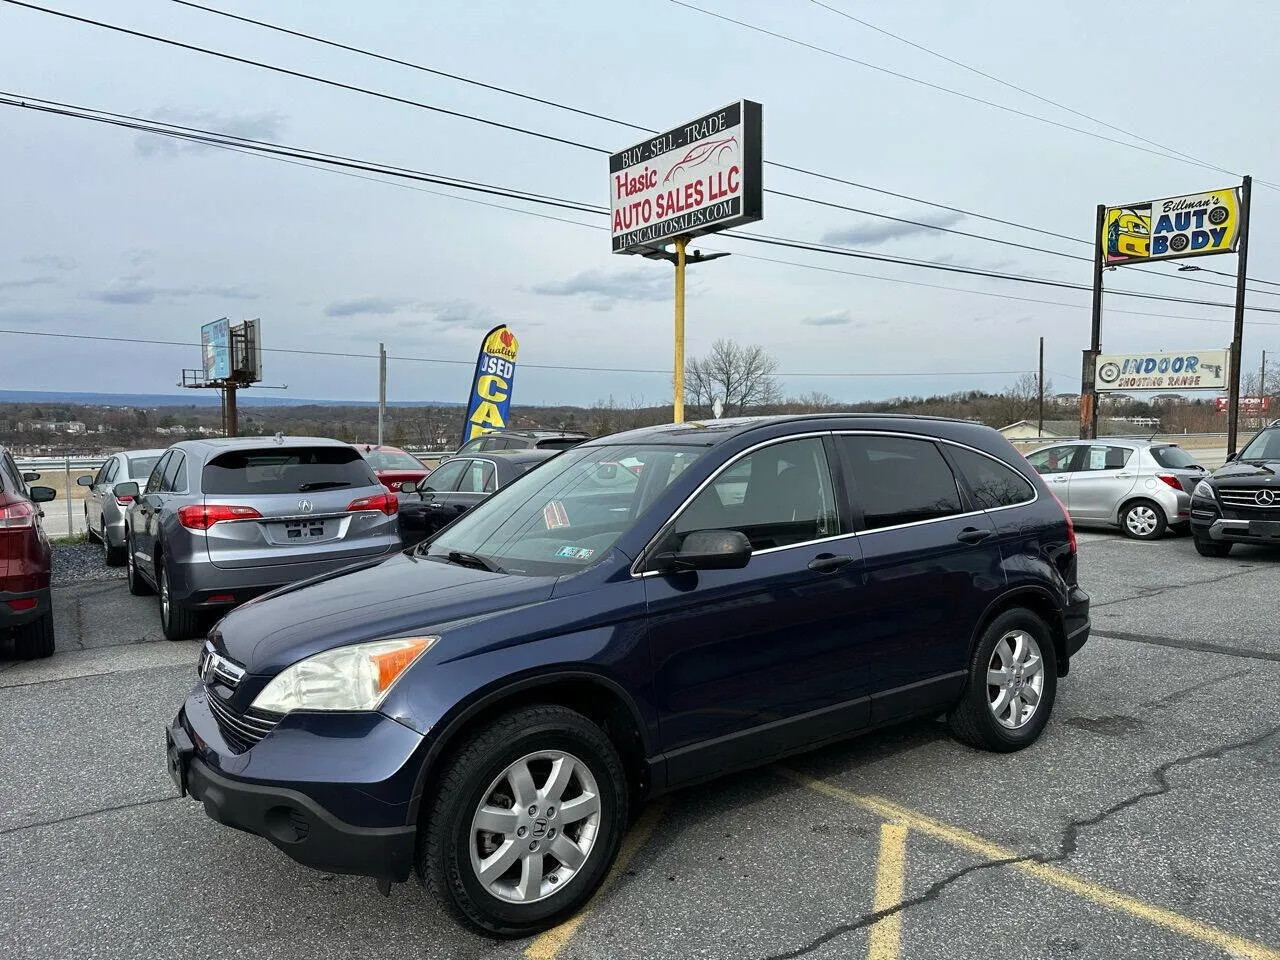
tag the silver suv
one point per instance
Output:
(221, 521)
(1142, 487)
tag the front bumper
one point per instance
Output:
(10, 616)
(1266, 532)
(282, 788)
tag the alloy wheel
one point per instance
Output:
(164, 596)
(1141, 520)
(535, 826)
(1015, 679)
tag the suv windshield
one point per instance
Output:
(392, 460)
(1173, 458)
(1265, 446)
(286, 470)
(567, 513)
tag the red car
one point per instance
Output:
(393, 466)
(26, 561)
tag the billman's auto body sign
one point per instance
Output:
(700, 177)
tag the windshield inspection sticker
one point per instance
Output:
(575, 553)
(554, 515)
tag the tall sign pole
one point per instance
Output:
(1089, 371)
(678, 367)
(1040, 390)
(382, 388)
(1237, 339)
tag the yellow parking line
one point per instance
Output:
(547, 946)
(1105, 896)
(886, 933)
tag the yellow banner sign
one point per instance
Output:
(489, 405)
(1174, 228)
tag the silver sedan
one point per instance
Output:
(103, 510)
(1142, 487)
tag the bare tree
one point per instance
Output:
(744, 377)
(1020, 400)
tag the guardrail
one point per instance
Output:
(81, 464)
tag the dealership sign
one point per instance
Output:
(1248, 405)
(1187, 370)
(698, 178)
(1173, 228)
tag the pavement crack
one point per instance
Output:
(88, 813)
(1175, 696)
(1147, 593)
(1197, 645)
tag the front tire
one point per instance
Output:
(1143, 520)
(178, 622)
(114, 556)
(526, 821)
(88, 529)
(137, 586)
(34, 640)
(1211, 548)
(1013, 681)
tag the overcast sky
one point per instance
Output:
(110, 233)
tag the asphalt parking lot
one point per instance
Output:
(1143, 824)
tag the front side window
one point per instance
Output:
(104, 472)
(157, 474)
(777, 496)
(566, 514)
(1052, 460)
(897, 480)
(175, 475)
(992, 483)
(445, 477)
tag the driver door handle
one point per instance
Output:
(973, 535)
(829, 563)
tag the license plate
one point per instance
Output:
(303, 529)
(1265, 528)
(178, 751)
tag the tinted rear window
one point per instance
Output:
(992, 483)
(898, 480)
(140, 467)
(1173, 458)
(559, 443)
(286, 470)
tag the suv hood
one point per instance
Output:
(399, 596)
(1269, 470)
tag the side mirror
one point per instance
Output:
(30, 477)
(708, 550)
(408, 486)
(85, 481)
(127, 491)
(42, 494)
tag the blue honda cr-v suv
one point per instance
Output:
(638, 613)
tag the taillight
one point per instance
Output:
(17, 515)
(381, 502)
(124, 501)
(1171, 480)
(204, 516)
(1071, 527)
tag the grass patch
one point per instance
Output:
(72, 541)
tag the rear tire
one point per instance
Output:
(178, 622)
(137, 586)
(1013, 663)
(34, 640)
(451, 845)
(1211, 548)
(1143, 520)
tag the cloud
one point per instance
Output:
(834, 318)
(873, 232)
(606, 289)
(248, 126)
(131, 290)
(27, 282)
(445, 313)
(52, 261)
(360, 306)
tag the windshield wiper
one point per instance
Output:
(323, 485)
(472, 560)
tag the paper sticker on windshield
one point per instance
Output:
(554, 515)
(575, 553)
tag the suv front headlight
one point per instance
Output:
(1203, 490)
(356, 677)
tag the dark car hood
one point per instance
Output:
(1248, 472)
(399, 596)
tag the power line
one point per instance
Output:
(948, 90)
(213, 138)
(523, 365)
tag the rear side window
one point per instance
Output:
(897, 480)
(478, 477)
(1173, 458)
(992, 483)
(247, 473)
(1106, 458)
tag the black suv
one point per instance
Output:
(523, 440)
(1240, 503)
(640, 612)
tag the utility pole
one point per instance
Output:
(1040, 426)
(1262, 390)
(382, 388)
(1089, 370)
(232, 421)
(1237, 339)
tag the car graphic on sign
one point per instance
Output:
(701, 153)
(1129, 235)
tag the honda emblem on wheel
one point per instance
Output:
(304, 506)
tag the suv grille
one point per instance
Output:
(220, 676)
(1250, 498)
